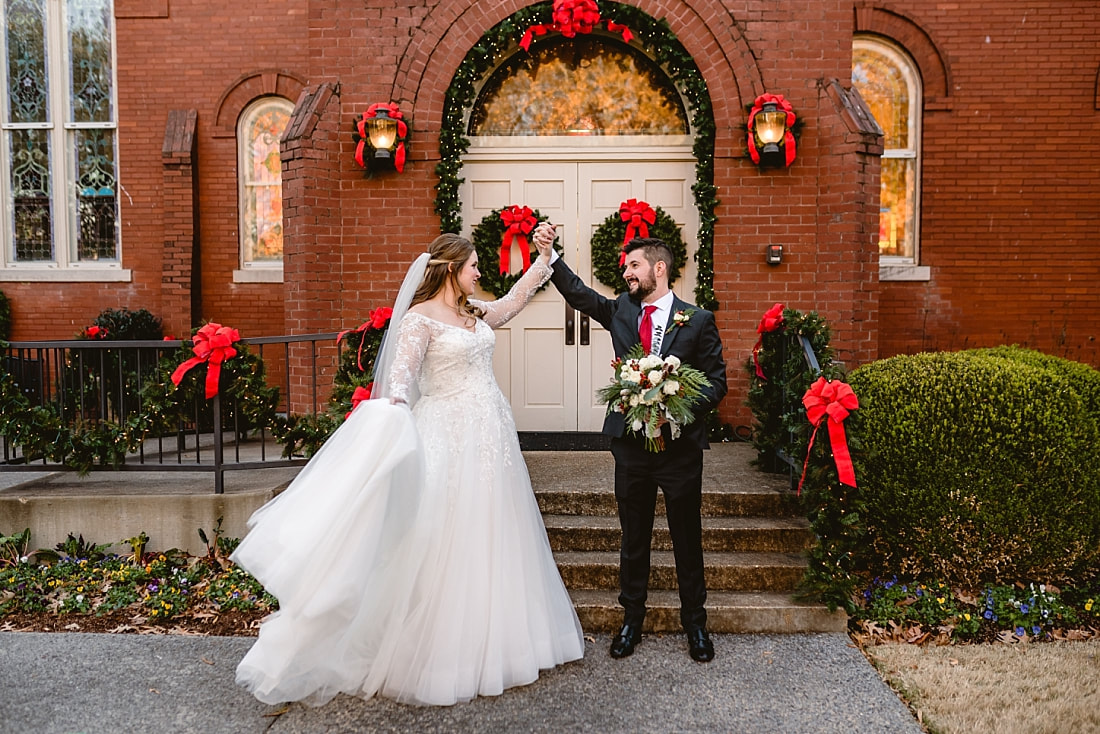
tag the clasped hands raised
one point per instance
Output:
(543, 237)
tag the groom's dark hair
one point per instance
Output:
(654, 250)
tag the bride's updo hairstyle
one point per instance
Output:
(448, 252)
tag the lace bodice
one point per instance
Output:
(438, 359)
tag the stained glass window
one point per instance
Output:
(888, 82)
(62, 181)
(261, 190)
(579, 86)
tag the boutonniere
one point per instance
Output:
(681, 317)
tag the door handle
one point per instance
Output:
(570, 326)
(585, 329)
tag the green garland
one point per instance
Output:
(486, 239)
(669, 53)
(607, 244)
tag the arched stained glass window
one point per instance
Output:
(889, 83)
(260, 181)
(579, 86)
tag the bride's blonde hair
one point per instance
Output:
(449, 253)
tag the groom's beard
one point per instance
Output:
(642, 287)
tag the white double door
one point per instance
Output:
(550, 359)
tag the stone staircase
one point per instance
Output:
(753, 543)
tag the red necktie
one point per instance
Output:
(645, 329)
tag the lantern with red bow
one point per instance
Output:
(771, 131)
(380, 136)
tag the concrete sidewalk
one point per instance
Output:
(73, 682)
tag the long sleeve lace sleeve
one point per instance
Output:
(412, 343)
(502, 310)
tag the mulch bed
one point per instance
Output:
(224, 624)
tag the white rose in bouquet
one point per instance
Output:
(649, 362)
(673, 362)
(671, 387)
(655, 376)
(636, 425)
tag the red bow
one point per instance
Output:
(788, 139)
(379, 317)
(571, 17)
(95, 332)
(360, 394)
(518, 223)
(638, 215)
(836, 400)
(213, 343)
(402, 132)
(773, 319)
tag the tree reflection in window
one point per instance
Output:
(888, 81)
(579, 86)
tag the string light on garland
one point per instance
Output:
(667, 51)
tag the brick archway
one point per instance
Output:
(443, 38)
(882, 20)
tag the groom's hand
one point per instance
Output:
(543, 237)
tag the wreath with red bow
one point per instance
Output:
(634, 219)
(495, 238)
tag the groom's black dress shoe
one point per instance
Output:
(700, 647)
(623, 643)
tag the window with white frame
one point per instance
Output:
(59, 150)
(889, 83)
(260, 188)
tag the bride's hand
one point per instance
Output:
(543, 237)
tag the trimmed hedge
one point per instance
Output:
(979, 467)
(5, 317)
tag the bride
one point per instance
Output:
(409, 556)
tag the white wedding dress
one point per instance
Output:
(409, 556)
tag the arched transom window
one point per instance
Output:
(888, 81)
(260, 183)
(579, 86)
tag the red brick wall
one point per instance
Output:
(1011, 180)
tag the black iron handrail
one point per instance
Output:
(785, 453)
(73, 375)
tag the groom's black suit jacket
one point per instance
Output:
(696, 343)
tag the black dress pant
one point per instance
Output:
(678, 472)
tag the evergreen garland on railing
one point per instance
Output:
(669, 53)
(833, 509)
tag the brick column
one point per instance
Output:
(312, 255)
(180, 281)
(847, 224)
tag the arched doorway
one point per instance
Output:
(573, 129)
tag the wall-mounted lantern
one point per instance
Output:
(380, 138)
(771, 136)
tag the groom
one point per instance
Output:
(650, 313)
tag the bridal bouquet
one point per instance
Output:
(650, 392)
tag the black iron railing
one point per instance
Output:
(98, 381)
(791, 400)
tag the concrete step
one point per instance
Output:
(582, 483)
(726, 571)
(727, 612)
(602, 533)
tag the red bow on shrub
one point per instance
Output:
(638, 215)
(379, 317)
(571, 17)
(788, 139)
(833, 401)
(402, 132)
(95, 332)
(213, 344)
(772, 320)
(518, 223)
(360, 394)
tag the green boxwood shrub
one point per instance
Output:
(978, 467)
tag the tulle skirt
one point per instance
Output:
(409, 560)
